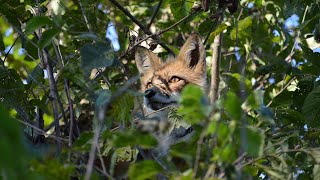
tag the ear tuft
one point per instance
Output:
(146, 60)
(194, 56)
(193, 52)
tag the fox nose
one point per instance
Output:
(149, 93)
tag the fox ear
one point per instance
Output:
(146, 60)
(193, 52)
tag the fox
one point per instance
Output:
(162, 83)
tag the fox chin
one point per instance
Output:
(162, 83)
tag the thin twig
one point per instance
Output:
(180, 21)
(289, 57)
(58, 138)
(52, 124)
(39, 119)
(94, 146)
(198, 153)
(155, 14)
(239, 158)
(157, 33)
(53, 98)
(282, 89)
(209, 171)
(70, 104)
(84, 16)
(11, 48)
(43, 56)
(143, 28)
(212, 26)
(104, 170)
(67, 89)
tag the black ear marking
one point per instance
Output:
(194, 56)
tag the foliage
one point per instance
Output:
(67, 97)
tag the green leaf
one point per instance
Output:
(134, 138)
(284, 98)
(316, 171)
(311, 56)
(239, 78)
(12, 149)
(125, 154)
(104, 96)
(228, 153)
(311, 107)
(10, 13)
(2, 47)
(11, 88)
(47, 37)
(258, 3)
(315, 153)
(233, 105)
(31, 50)
(316, 33)
(83, 142)
(180, 8)
(37, 22)
(121, 108)
(36, 76)
(204, 27)
(305, 23)
(254, 142)
(96, 56)
(144, 170)
(88, 36)
(276, 39)
(193, 105)
(289, 116)
(272, 172)
(242, 26)
(53, 169)
(281, 67)
(217, 31)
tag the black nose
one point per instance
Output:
(149, 93)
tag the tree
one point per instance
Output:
(72, 94)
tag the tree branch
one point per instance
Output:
(84, 16)
(142, 27)
(215, 71)
(157, 33)
(155, 14)
(11, 48)
(43, 56)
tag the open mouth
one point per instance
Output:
(160, 105)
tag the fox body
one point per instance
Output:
(162, 83)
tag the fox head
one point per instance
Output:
(162, 82)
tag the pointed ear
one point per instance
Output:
(192, 52)
(146, 60)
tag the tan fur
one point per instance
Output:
(173, 67)
(162, 83)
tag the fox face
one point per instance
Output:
(162, 82)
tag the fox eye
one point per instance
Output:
(174, 79)
(149, 85)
